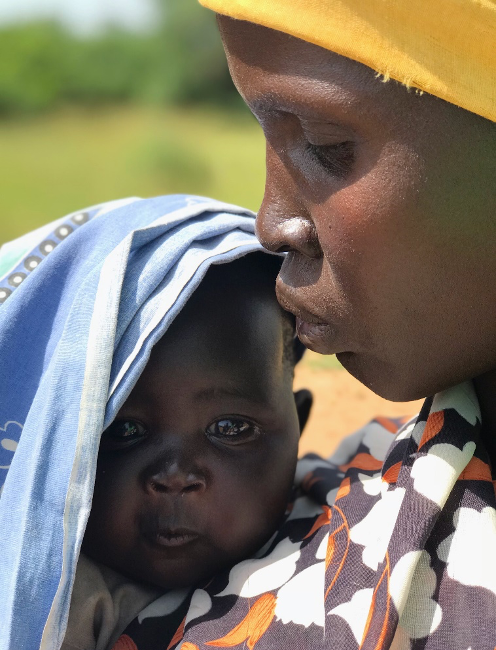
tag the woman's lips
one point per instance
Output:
(319, 337)
(313, 333)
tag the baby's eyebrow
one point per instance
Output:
(247, 394)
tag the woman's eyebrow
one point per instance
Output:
(270, 103)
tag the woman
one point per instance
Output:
(381, 167)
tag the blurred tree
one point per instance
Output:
(180, 61)
(190, 55)
(31, 71)
(111, 68)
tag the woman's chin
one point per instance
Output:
(386, 380)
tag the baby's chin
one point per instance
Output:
(157, 580)
(200, 575)
(185, 576)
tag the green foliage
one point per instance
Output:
(190, 54)
(109, 69)
(180, 61)
(31, 74)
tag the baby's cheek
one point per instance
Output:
(248, 512)
(112, 511)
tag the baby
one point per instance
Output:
(155, 322)
(195, 472)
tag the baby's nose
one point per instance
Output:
(174, 480)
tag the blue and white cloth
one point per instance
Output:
(83, 301)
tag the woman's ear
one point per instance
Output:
(303, 400)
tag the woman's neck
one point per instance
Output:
(485, 387)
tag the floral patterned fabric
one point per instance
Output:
(390, 544)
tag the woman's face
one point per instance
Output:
(385, 200)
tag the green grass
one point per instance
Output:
(62, 162)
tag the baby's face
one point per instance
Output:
(194, 473)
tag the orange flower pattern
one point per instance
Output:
(124, 642)
(388, 545)
(252, 627)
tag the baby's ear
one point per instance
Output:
(303, 400)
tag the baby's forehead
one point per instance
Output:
(225, 344)
(233, 320)
(231, 291)
(226, 317)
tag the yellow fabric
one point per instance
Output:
(444, 47)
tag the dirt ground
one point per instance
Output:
(341, 405)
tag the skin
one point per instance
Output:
(195, 472)
(385, 200)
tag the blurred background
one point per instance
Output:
(103, 99)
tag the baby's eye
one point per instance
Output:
(232, 430)
(121, 434)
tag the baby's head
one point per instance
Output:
(195, 472)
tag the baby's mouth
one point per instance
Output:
(173, 537)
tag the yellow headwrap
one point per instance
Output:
(444, 47)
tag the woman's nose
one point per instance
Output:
(282, 225)
(172, 479)
(284, 234)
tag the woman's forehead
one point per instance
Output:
(269, 51)
(398, 40)
(276, 71)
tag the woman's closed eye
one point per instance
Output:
(336, 159)
(232, 430)
(122, 434)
